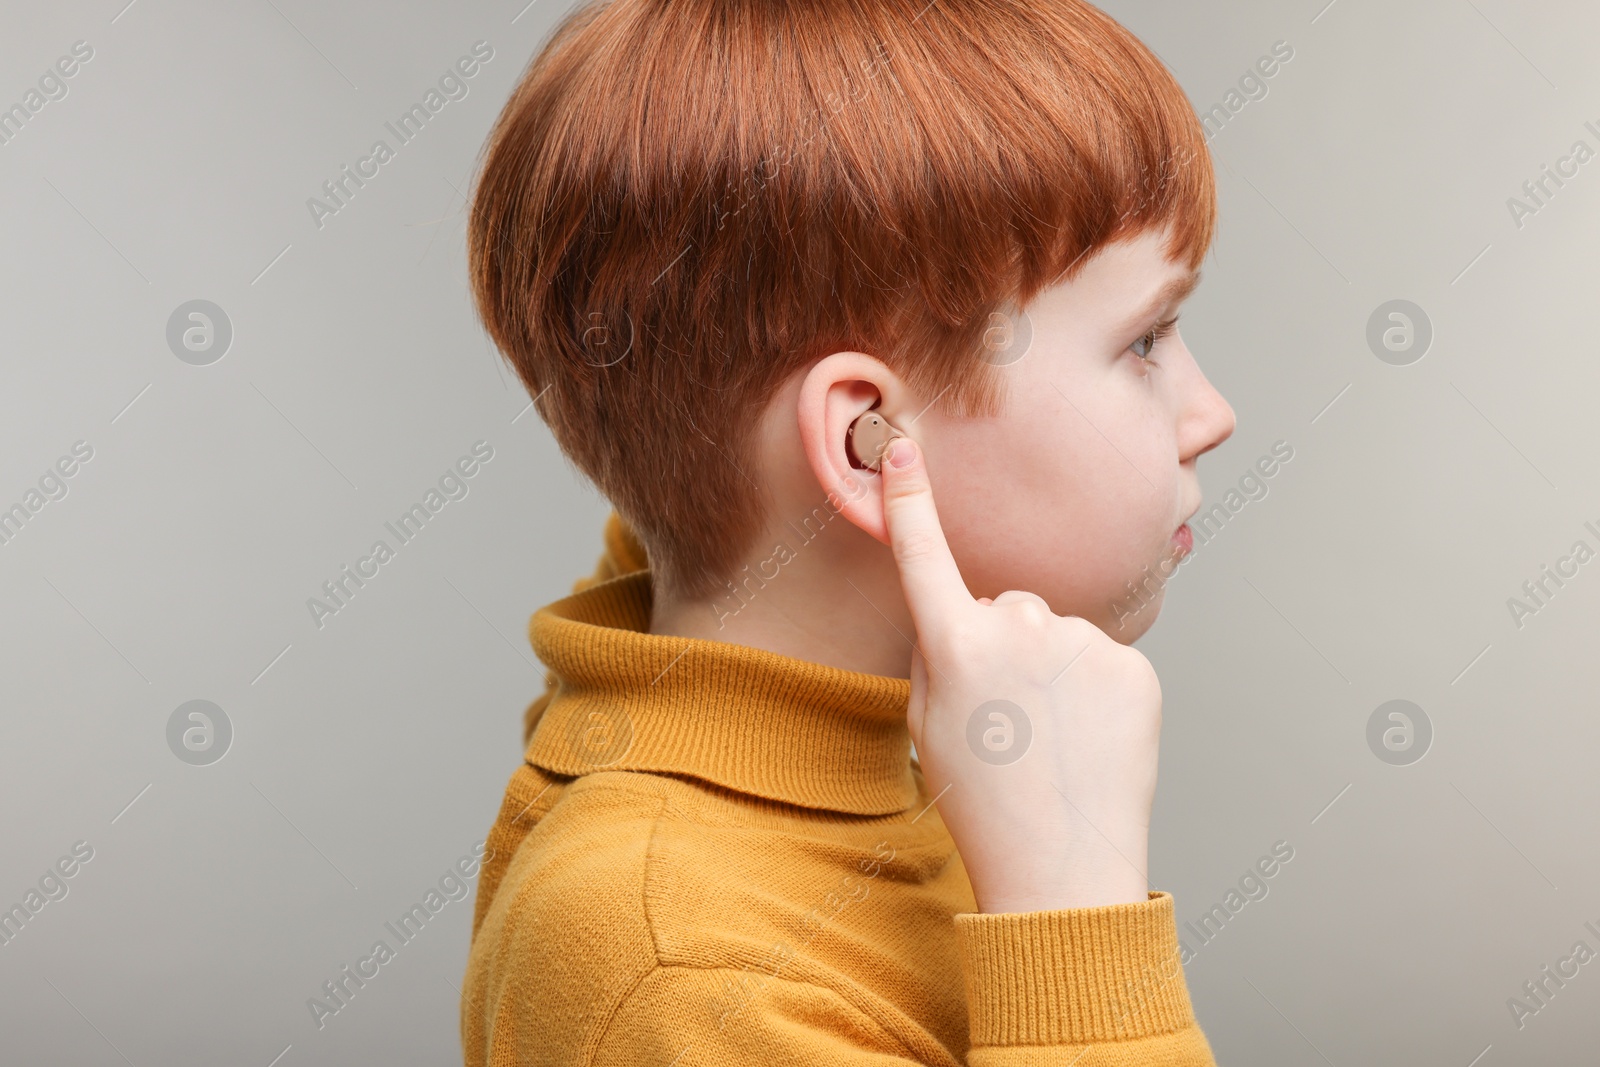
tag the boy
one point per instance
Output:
(716, 238)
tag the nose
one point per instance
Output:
(1207, 419)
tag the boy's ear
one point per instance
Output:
(836, 391)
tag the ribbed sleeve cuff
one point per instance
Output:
(1075, 976)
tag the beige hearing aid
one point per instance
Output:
(870, 436)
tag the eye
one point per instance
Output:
(1152, 338)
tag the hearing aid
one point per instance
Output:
(869, 438)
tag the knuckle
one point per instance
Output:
(1077, 625)
(1031, 608)
(1135, 665)
(1142, 677)
(1081, 632)
(1033, 613)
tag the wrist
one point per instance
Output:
(1085, 877)
(1064, 898)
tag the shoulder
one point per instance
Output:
(584, 860)
(644, 915)
(565, 937)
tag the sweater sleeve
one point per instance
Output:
(1106, 982)
(623, 554)
(1090, 987)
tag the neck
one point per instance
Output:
(834, 599)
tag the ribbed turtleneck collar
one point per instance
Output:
(744, 718)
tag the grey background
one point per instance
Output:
(369, 755)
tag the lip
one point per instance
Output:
(1183, 537)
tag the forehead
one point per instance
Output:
(1121, 284)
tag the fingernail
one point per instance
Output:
(901, 452)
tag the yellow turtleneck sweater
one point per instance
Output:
(717, 855)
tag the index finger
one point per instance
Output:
(932, 582)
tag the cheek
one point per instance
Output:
(1110, 465)
(1119, 514)
(1065, 505)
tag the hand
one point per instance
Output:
(1047, 794)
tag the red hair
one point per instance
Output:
(685, 202)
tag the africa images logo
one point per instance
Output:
(453, 484)
(454, 884)
(339, 190)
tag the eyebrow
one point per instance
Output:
(1175, 291)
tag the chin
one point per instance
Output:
(1136, 629)
(1132, 618)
